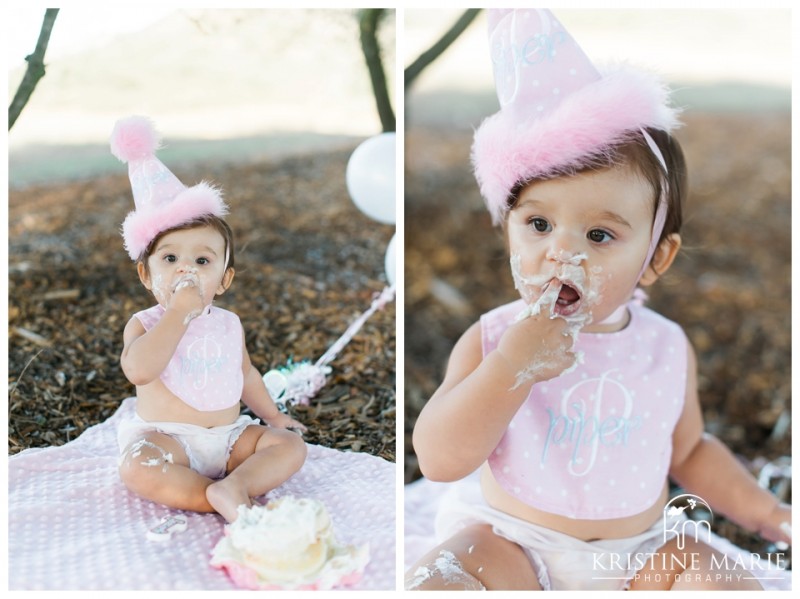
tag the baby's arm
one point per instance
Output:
(466, 417)
(704, 466)
(145, 354)
(257, 398)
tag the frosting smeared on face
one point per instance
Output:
(158, 289)
(188, 277)
(188, 261)
(569, 292)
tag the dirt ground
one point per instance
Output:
(729, 289)
(307, 264)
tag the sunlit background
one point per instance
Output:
(714, 58)
(248, 83)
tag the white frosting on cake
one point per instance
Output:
(288, 543)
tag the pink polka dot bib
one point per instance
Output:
(596, 443)
(206, 369)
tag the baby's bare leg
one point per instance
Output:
(156, 467)
(262, 459)
(472, 560)
(695, 567)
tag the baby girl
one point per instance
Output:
(188, 446)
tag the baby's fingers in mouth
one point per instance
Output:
(549, 296)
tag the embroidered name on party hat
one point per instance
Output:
(557, 111)
(161, 200)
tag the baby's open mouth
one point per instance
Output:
(569, 300)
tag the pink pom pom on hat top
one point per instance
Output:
(161, 200)
(556, 109)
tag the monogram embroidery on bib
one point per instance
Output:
(595, 412)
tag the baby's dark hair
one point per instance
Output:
(640, 157)
(207, 220)
(636, 154)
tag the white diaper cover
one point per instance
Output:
(561, 562)
(208, 449)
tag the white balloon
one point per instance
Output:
(370, 177)
(390, 264)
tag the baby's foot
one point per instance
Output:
(226, 496)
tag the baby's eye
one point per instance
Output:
(540, 224)
(599, 236)
(170, 258)
(202, 261)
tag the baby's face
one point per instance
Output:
(187, 257)
(590, 233)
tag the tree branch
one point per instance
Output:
(35, 70)
(415, 68)
(368, 24)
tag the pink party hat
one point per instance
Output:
(556, 109)
(162, 201)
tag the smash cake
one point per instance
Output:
(287, 544)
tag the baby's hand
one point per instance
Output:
(187, 297)
(285, 421)
(538, 347)
(777, 527)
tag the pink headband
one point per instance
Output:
(661, 210)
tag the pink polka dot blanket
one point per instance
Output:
(423, 499)
(72, 525)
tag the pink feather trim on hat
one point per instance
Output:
(142, 226)
(507, 151)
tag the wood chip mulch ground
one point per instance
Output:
(307, 264)
(730, 289)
